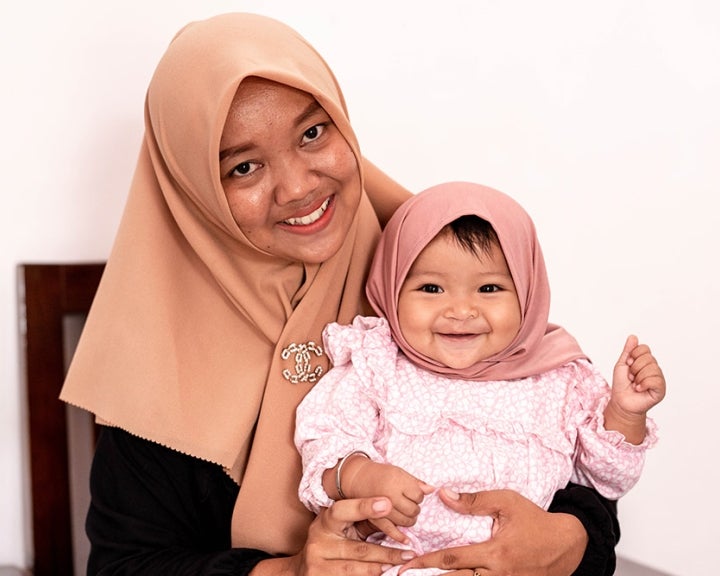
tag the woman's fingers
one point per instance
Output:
(334, 535)
(354, 510)
(526, 539)
(488, 503)
(456, 559)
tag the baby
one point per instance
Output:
(461, 383)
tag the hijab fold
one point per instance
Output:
(184, 343)
(539, 346)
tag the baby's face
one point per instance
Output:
(458, 308)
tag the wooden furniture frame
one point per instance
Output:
(47, 293)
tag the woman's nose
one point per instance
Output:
(295, 179)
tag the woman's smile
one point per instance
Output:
(310, 218)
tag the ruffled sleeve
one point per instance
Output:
(339, 414)
(603, 459)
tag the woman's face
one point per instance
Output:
(291, 179)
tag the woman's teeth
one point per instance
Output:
(310, 218)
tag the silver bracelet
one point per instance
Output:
(339, 468)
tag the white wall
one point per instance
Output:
(601, 117)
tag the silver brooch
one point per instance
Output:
(304, 372)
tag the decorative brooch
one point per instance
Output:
(304, 372)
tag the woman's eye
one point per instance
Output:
(313, 133)
(489, 288)
(430, 288)
(244, 168)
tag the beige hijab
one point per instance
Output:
(196, 339)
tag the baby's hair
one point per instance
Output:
(473, 234)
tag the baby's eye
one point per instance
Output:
(489, 288)
(244, 168)
(431, 288)
(313, 133)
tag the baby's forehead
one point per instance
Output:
(446, 247)
(472, 232)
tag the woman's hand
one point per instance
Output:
(334, 546)
(526, 540)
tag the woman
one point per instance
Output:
(246, 230)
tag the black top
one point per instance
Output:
(157, 511)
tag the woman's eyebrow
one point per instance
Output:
(234, 151)
(310, 109)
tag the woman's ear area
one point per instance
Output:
(385, 194)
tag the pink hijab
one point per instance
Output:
(538, 346)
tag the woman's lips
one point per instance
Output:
(308, 219)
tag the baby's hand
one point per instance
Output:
(371, 479)
(638, 381)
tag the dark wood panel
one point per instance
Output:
(49, 292)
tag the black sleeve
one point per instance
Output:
(599, 517)
(156, 511)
